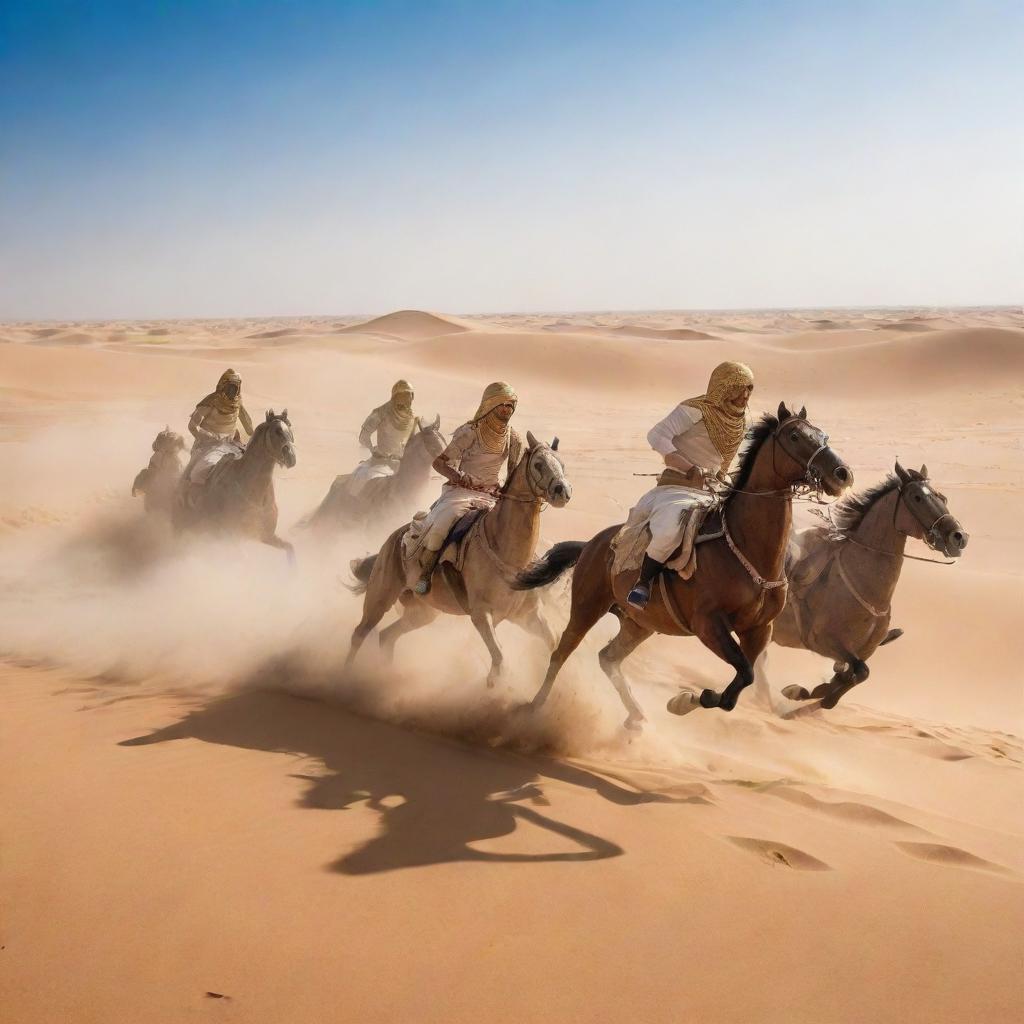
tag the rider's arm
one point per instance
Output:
(245, 420)
(662, 436)
(370, 424)
(195, 426)
(446, 462)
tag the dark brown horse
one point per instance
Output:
(738, 586)
(238, 495)
(842, 579)
(386, 500)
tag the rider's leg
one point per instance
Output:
(432, 545)
(641, 592)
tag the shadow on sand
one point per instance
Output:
(435, 795)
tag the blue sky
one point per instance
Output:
(230, 158)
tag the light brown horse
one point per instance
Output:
(842, 580)
(738, 586)
(387, 499)
(501, 544)
(238, 495)
(159, 480)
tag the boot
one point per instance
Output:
(428, 564)
(641, 593)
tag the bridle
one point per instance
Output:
(533, 481)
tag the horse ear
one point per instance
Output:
(531, 440)
(803, 412)
(284, 416)
(554, 445)
(270, 415)
(437, 422)
(924, 472)
(784, 413)
(903, 475)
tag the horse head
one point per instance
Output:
(430, 437)
(802, 454)
(277, 437)
(168, 442)
(923, 513)
(545, 472)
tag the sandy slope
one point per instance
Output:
(177, 745)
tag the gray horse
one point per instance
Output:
(503, 542)
(238, 495)
(386, 500)
(842, 580)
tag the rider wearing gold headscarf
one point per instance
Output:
(393, 423)
(698, 440)
(218, 417)
(471, 464)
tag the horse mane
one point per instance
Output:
(756, 436)
(849, 512)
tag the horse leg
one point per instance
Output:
(842, 682)
(485, 627)
(415, 615)
(271, 539)
(753, 643)
(630, 636)
(713, 631)
(762, 693)
(386, 583)
(533, 622)
(587, 607)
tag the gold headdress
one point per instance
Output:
(222, 401)
(493, 437)
(401, 419)
(725, 424)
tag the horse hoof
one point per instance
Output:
(820, 691)
(794, 692)
(634, 723)
(683, 703)
(709, 699)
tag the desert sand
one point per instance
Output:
(202, 819)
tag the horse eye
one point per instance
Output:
(917, 497)
(795, 435)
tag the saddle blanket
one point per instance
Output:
(202, 465)
(632, 540)
(454, 550)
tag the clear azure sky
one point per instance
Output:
(216, 158)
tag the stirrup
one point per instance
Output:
(639, 596)
(422, 586)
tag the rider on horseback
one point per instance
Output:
(698, 441)
(393, 423)
(471, 464)
(217, 423)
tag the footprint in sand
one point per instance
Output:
(780, 854)
(951, 856)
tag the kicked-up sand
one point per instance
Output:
(202, 818)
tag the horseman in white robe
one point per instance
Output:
(217, 424)
(698, 441)
(385, 432)
(471, 464)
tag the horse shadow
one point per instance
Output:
(435, 796)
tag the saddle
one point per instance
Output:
(453, 552)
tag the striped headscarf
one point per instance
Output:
(725, 424)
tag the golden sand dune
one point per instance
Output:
(205, 817)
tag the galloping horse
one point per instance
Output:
(238, 495)
(738, 586)
(842, 580)
(501, 543)
(386, 496)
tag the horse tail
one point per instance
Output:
(361, 569)
(893, 634)
(559, 559)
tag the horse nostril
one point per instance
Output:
(960, 539)
(842, 474)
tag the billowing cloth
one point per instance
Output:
(203, 460)
(370, 469)
(493, 434)
(725, 423)
(663, 512)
